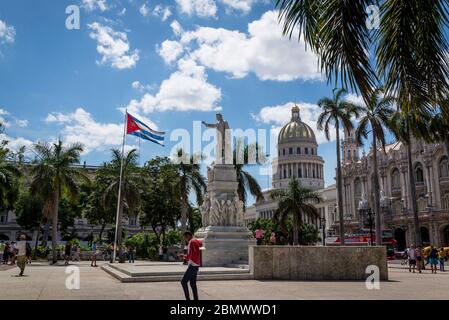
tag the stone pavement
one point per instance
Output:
(48, 282)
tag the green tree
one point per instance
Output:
(53, 174)
(297, 202)
(29, 212)
(130, 195)
(337, 112)
(410, 45)
(190, 179)
(9, 176)
(374, 118)
(245, 155)
(160, 204)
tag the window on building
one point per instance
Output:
(299, 173)
(395, 179)
(290, 150)
(298, 150)
(132, 221)
(283, 152)
(285, 174)
(445, 201)
(419, 175)
(311, 151)
(306, 150)
(3, 219)
(444, 167)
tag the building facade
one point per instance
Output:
(431, 174)
(297, 158)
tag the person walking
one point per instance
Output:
(273, 239)
(259, 235)
(193, 259)
(419, 259)
(21, 254)
(441, 258)
(433, 259)
(95, 252)
(131, 253)
(67, 252)
(6, 253)
(411, 254)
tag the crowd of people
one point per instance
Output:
(416, 259)
(9, 252)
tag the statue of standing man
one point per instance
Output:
(223, 150)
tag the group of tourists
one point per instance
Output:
(9, 252)
(260, 233)
(417, 260)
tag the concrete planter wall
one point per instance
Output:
(316, 263)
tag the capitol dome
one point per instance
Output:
(296, 129)
(298, 155)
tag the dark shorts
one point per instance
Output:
(419, 259)
(412, 262)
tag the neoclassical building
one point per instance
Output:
(431, 171)
(297, 157)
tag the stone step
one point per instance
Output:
(166, 277)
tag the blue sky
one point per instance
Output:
(169, 62)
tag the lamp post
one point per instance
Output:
(365, 210)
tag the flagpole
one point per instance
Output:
(120, 188)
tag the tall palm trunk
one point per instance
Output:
(295, 229)
(340, 188)
(376, 195)
(412, 187)
(184, 211)
(54, 228)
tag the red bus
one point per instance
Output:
(363, 238)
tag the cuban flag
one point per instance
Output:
(139, 129)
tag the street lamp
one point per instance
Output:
(365, 210)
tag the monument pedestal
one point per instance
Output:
(225, 238)
(225, 245)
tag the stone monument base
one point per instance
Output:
(225, 245)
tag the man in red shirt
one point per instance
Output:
(194, 262)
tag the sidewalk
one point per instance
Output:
(43, 281)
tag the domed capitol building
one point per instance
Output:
(298, 156)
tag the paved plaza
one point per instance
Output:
(49, 282)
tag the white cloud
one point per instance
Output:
(122, 12)
(200, 8)
(80, 127)
(170, 50)
(141, 87)
(163, 12)
(263, 51)
(15, 144)
(22, 123)
(7, 33)
(280, 115)
(144, 10)
(186, 89)
(176, 28)
(113, 46)
(91, 5)
(355, 99)
(243, 6)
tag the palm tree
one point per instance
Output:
(411, 45)
(375, 116)
(53, 173)
(9, 174)
(439, 128)
(246, 182)
(337, 112)
(189, 179)
(129, 196)
(296, 201)
(404, 126)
